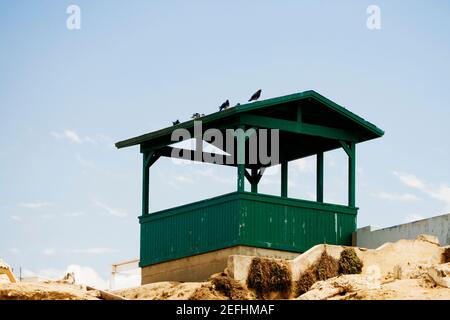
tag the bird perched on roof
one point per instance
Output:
(224, 105)
(255, 96)
(176, 122)
(197, 115)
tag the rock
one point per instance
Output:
(413, 271)
(428, 238)
(440, 274)
(322, 290)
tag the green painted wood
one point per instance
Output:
(352, 175)
(243, 218)
(346, 148)
(255, 180)
(299, 128)
(189, 230)
(145, 181)
(240, 145)
(299, 115)
(319, 177)
(284, 179)
(228, 119)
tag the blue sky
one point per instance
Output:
(68, 197)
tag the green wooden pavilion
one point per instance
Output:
(308, 124)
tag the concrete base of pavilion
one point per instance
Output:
(200, 267)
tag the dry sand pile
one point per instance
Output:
(407, 269)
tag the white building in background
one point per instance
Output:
(371, 237)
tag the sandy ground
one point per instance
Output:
(401, 280)
(161, 291)
(45, 291)
(407, 289)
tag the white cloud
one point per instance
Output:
(184, 179)
(127, 279)
(93, 251)
(74, 137)
(83, 275)
(51, 274)
(406, 197)
(16, 218)
(74, 214)
(265, 181)
(441, 192)
(305, 165)
(214, 176)
(410, 180)
(87, 276)
(110, 210)
(49, 251)
(70, 135)
(35, 205)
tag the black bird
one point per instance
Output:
(255, 96)
(176, 122)
(224, 105)
(196, 115)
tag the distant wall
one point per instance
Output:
(372, 237)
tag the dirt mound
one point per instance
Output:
(169, 290)
(207, 292)
(267, 276)
(222, 287)
(46, 291)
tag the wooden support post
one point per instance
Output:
(350, 149)
(149, 158)
(319, 178)
(352, 176)
(145, 182)
(240, 157)
(284, 179)
(255, 180)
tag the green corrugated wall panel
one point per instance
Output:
(292, 228)
(243, 219)
(167, 235)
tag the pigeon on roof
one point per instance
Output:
(224, 105)
(176, 122)
(255, 96)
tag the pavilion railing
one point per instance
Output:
(243, 218)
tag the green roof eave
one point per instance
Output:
(219, 115)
